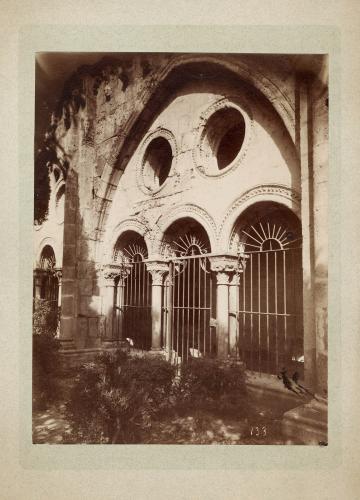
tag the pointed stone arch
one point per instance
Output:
(118, 156)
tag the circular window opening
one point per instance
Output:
(157, 163)
(224, 137)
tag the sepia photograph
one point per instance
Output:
(180, 248)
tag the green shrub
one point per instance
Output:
(46, 366)
(45, 317)
(211, 382)
(116, 398)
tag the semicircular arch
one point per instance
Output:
(186, 211)
(282, 195)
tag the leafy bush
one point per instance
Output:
(116, 398)
(45, 317)
(46, 366)
(211, 382)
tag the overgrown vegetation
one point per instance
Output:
(115, 399)
(45, 317)
(119, 397)
(46, 363)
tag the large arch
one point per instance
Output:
(164, 80)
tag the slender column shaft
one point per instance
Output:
(158, 270)
(233, 309)
(222, 308)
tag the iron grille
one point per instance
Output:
(270, 330)
(133, 305)
(188, 307)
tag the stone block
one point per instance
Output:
(93, 327)
(70, 233)
(70, 215)
(69, 255)
(85, 287)
(68, 272)
(89, 306)
(66, 329)
(85, 269)
(67, 305)
(82, 327)
(68, 286)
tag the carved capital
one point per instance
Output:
(157, 270)
(112, 271)
(225, 267)
(224, 263)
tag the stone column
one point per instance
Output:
(225, 267)
(168, 339)
(233, 311)
(109, 274)
(58, 274)
(157, 269)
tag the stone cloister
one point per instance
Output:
(188, 210)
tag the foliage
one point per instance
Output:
(211, 382)
(46, 367)
(45, 317)
(116, 398)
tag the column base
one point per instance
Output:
(308, 422)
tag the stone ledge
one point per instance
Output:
(307, 422)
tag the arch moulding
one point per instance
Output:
(270, 192)
(193, 211)
(53, 244)
(131, 224)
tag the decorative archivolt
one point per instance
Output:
(269, 192)
(131, 224)
(192, 211)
